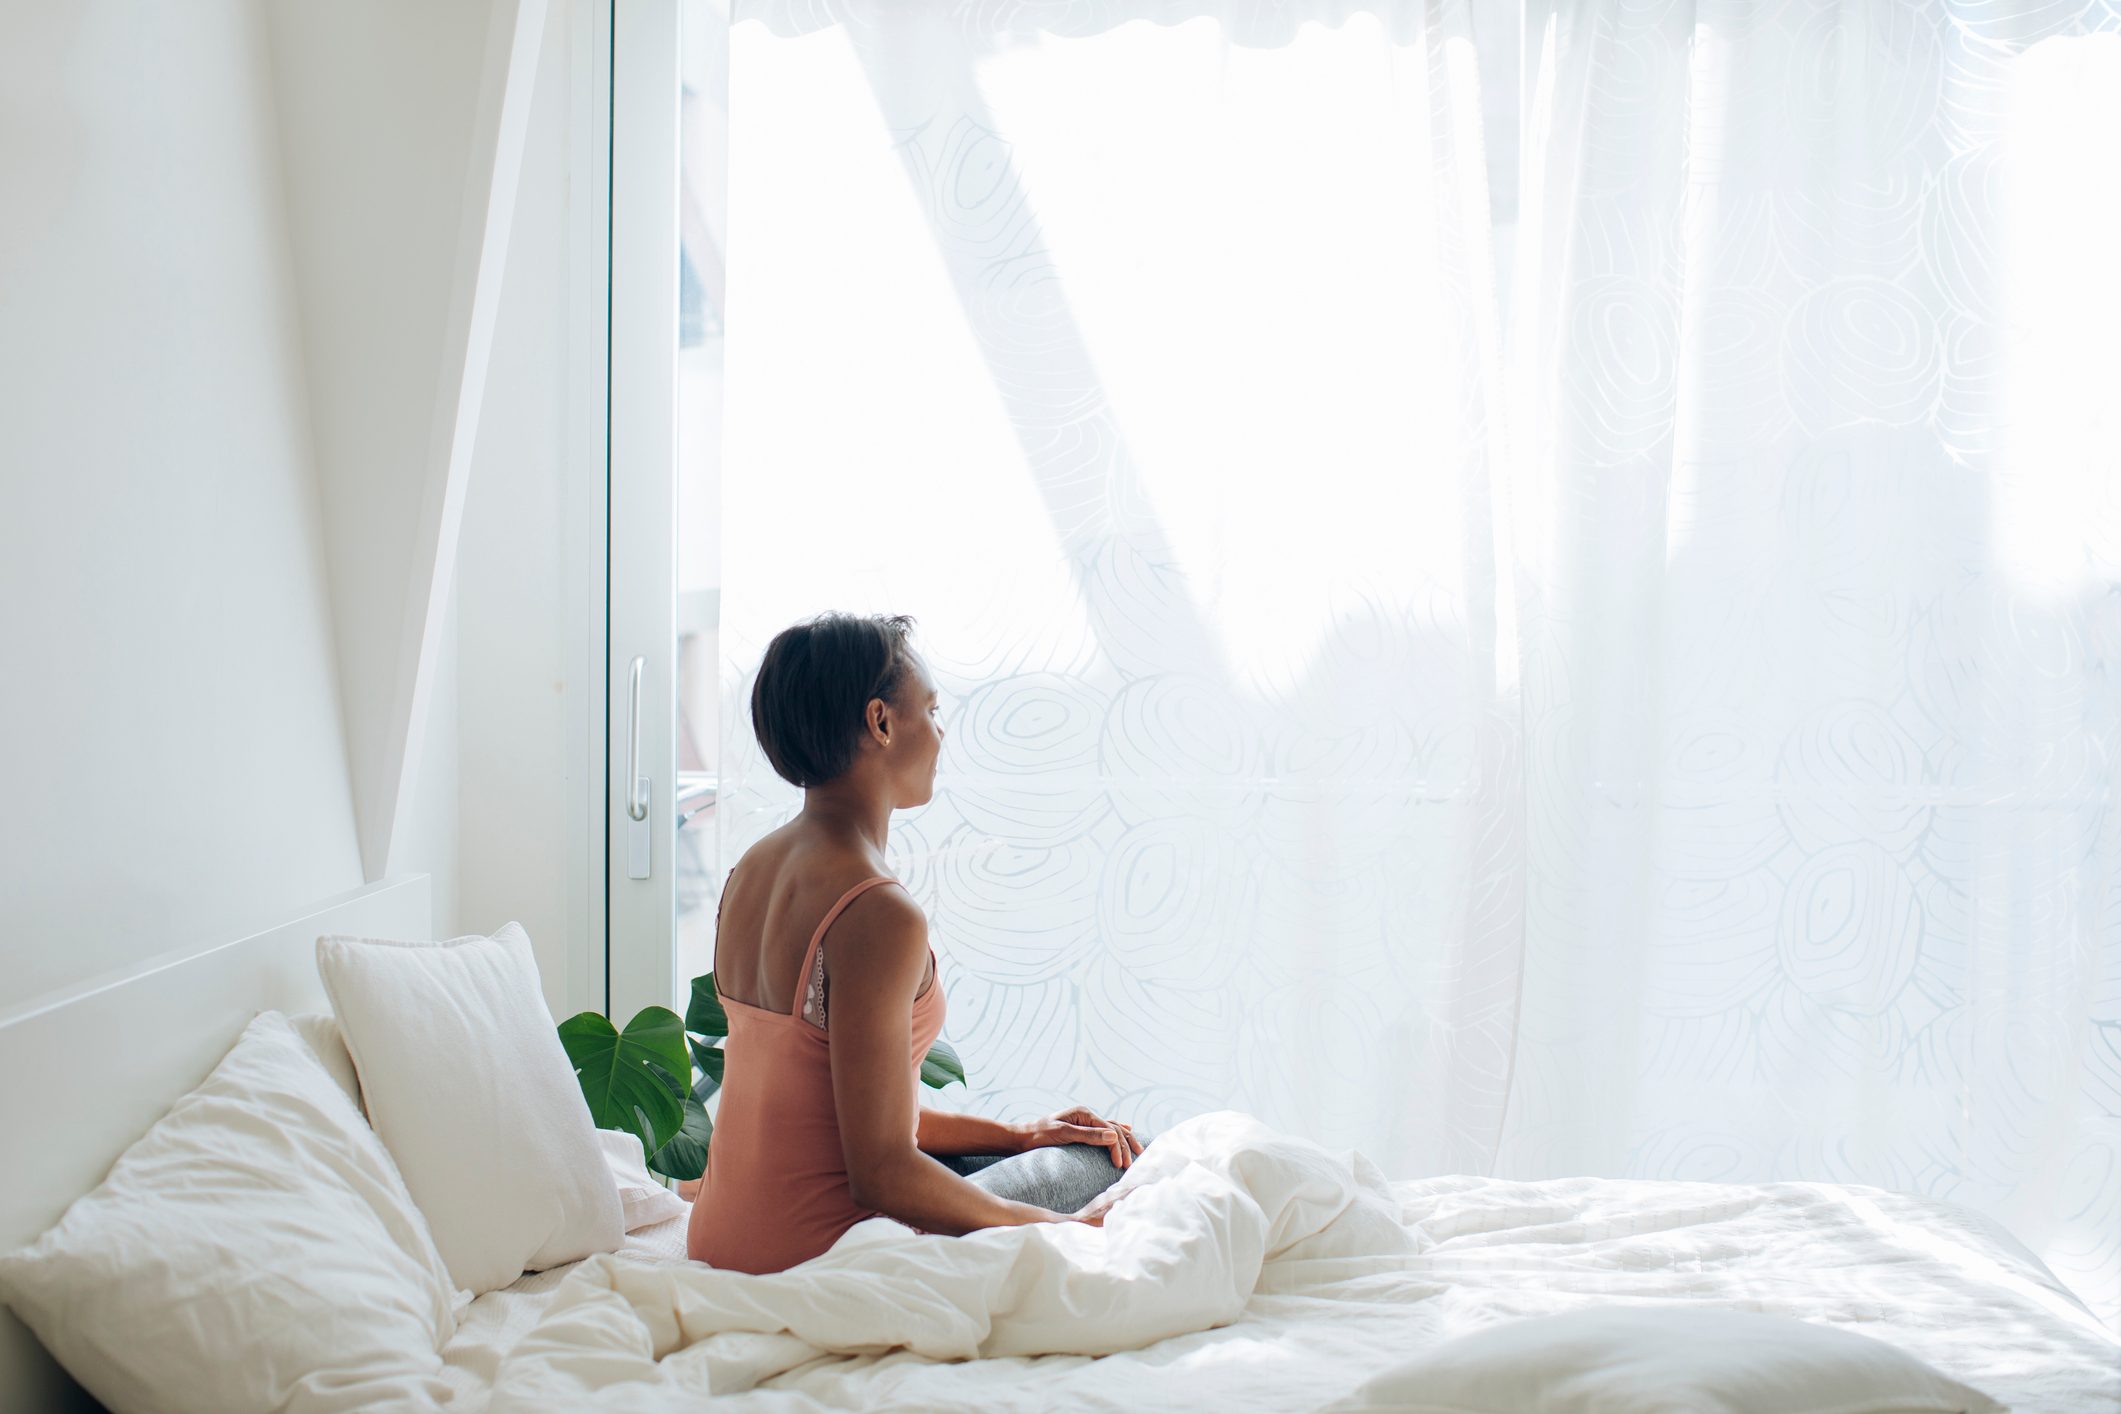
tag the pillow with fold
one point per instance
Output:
(645, 1200)
(468, 1087)
(1664, 1360)
(256, 1249)
(321, 1031)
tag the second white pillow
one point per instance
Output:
(1669, 1358)
(467, 1085)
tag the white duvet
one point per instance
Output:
(1246, 1269)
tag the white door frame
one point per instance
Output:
(641, 536)
(585, 492)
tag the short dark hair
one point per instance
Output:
(814, 685)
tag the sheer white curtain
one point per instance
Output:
(1820, 558)
(1149, 363)
(1710, 778)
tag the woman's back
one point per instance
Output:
(776, 1192)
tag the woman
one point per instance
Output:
(823, 962)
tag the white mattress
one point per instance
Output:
(1930, 1277)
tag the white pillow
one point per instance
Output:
(322, 1033)
(646, 1201)
(467, 1084)
(255, 1249)
(1665, 1360)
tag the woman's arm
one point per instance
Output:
(879, 956)
(948, 1132)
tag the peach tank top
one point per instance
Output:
(775, 1191)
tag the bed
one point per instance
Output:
(73, 1097)
(1936, 1280)
(1315, 1318)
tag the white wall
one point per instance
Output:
(225, 242)
(202, 369)
(172, 765)
(432, 828)
(524, 682)
(400, 125)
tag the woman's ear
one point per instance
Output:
(880, 719)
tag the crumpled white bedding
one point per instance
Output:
(1254, 1270)
(489, 1327)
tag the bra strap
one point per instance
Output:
(802, 977)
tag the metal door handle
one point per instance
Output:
(636, 799)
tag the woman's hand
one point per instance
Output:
(1093, 1212)
(1081, 1126)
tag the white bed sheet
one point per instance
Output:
(1930, 1277)
(489, 1327)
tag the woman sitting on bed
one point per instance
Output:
(823, 962)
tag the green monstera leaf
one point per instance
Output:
(707, 1022)
(708, 1078)
(685, 1156)
(941, 1066)
(706, 1016)
(629, 1078)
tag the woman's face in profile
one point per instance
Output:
(915, 740)
(924, 740)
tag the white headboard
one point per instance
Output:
(85, 1071)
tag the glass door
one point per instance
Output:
(703, 147)
(669, 65)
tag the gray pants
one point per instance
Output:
(1058, 1177)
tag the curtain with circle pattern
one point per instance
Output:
(1674, 740)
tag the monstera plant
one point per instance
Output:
(631, 1078)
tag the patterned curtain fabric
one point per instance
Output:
(1677, 740)
(1820, 569)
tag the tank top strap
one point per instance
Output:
(809, 953)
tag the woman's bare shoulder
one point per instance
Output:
(809, 869)
(883, 931)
